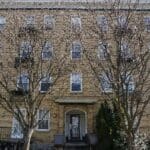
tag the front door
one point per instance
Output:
(75, 126)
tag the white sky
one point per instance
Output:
(142, 1)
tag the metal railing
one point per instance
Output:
(5, 132)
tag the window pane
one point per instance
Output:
(2, 22)
(43, 124)
(76, 23)
(102, 23)
(49, 22)
(76, 87)
(45, 86)
(76, 50)
(106, 83)
(76, 82)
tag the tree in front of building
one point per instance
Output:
(120, 63)
(108, 128)
(30, 71)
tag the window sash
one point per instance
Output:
(43, 119)
(49, 21)
(76, 82)
(103, 51)
(30, 21)
(106, 83)
(16, 131)
(23, 82)
(76, 23)
(76, 50)
(102, 23)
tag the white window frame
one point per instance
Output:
(18, 128)
(105, 89)
(102, 23)
(102, 51)
(18, 82)
(2, 22)
(37, 128)
(76, 23)
(73, 49)
(47, 48)
(80, 82)
(49, 22)
(43, 80)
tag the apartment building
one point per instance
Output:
(65, 27)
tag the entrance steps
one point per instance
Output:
(76, 146)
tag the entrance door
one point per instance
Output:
(75, 126)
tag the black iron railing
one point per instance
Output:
(5, 132)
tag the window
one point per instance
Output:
(49, 22)
(47, 51)
(2, 22)
(103, 51)
(76, 82)
(23, 83)
(76, 50)
(105, 80)
(122, 21)
(16, 131)
(45, 84)
(126, 52)
(76, 23)
(30, 21)
(147, 23)
(128, 82)
(43, 120)
(102, 23)
(25, 50)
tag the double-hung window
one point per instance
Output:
(105, 81)
(2, 22)
(23, 83)
(103, 51)
(76, 82)
(30, 21)
(76, 50)
(102, 23)
(49, 22)
(45, 84)
(128, 82)
(122, 21)
(147, 23)
(76, 23)
(43, 117)
(126, 52)
(47, 51)
(16, 131)
(25, 50)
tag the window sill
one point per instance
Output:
(43, 130)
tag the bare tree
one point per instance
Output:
(121, 63)
(30, 71)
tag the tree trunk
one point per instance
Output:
(130, 142)
(27, 139)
